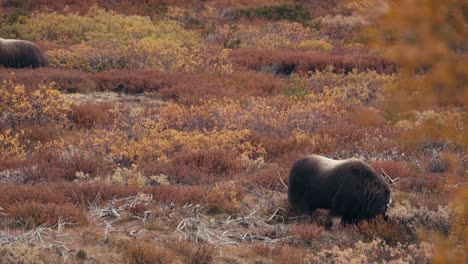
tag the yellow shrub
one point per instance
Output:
(163, 54)
(22, 253)
(315, 45)
(42, 106)
(128, 176)
(282, 34)
(101, 27)
(147, 53)
(13, 145)
(149, 141)
(88, 58)
(351, 89)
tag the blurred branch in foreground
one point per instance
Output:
(428, 40)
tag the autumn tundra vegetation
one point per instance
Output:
(165, 131)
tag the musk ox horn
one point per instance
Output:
(390, 179)
(15, 53)
(350, 189)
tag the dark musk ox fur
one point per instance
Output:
(15, 53)
(350, 188)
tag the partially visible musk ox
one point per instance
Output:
(350, 188)
(15, 53)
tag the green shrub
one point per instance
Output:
(297, 88)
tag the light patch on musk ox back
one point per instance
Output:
(326, 164)
(12, 41)
(9, 40)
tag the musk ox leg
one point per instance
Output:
(346, 220)
(331, 220)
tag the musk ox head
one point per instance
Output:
(15, 53)
(350, 188)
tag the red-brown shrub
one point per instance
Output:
(89, 115)
(411, 179)
(178, 195)
(268, 177)
(133, 81)
(394, 168)
(44, 133)
(52, 165)
(191, 88)
(391, 231)
(281, 253)
(305, 232)
(13, 164)
(86, 194)
(73, 81)
(190, 167)
(351, 135)
(286, 62)
(276, 146)
(65, 80)
(145, 252)
(33, 214)
(195, 167)
(11, 194)
(83, 194)
(197, 253)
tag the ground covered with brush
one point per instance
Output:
(162, 132)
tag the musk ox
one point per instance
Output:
(350, 188)
(15, 53)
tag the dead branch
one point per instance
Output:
(281, 180)
(232, 231)
(43, 237)
(390, 179)
(274, 214)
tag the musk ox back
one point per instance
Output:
(350, 188)
(15, 53)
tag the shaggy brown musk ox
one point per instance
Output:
(15, 53)
(350, 188)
